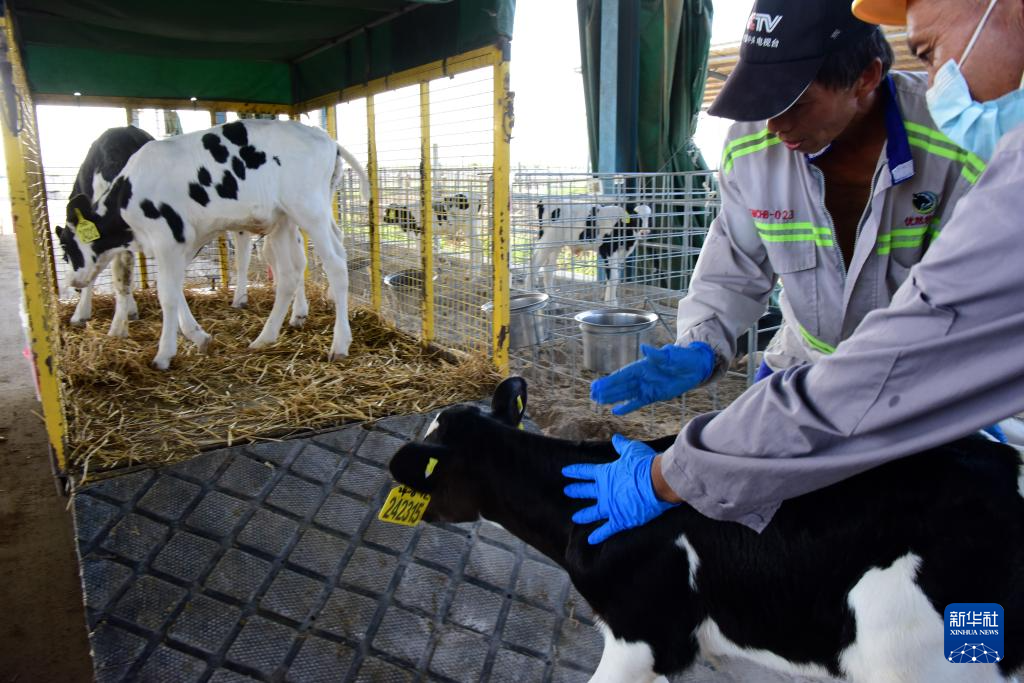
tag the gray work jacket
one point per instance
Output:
(941, 361)
(774, 223)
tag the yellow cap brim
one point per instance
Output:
(891, 12)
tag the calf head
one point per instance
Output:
(78, 236)
(447, 463)
(89, 237)
(641, 221)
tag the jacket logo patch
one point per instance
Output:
(925, 202)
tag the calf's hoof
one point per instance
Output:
(240, 304)
(134, 315)
(121, 333)
(203, 345)
(161, 363)
(257, 344)
(339, 351)
(298, 323)
(79, 322)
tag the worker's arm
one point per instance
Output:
(731, 283)
(940, 362)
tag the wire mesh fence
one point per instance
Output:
(595, 242)
(456, 114)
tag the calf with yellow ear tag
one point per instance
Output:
(441, 464)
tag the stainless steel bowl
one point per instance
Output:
(612, 336)
(405, 289)
(527, 326)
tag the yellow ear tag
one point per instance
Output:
(86, 229)
(519, 407)
(431, 464)
(404, 506)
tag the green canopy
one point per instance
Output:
(263, 51)
(662, 65)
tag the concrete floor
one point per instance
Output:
(42, 623)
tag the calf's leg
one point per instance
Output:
(170, 281)
(286, 280)
(125, 308)
(624, 661)
(243, 255)
(83, 311)
(297, 255)
(327, 238)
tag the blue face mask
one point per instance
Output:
(975, 126)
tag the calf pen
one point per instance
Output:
(554, 350)
(105, 408)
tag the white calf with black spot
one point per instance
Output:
(174, 195)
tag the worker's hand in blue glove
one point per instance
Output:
(660, 375)
(623, 490)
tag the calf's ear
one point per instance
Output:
(508, 404)
(79, 204)
(419, 465)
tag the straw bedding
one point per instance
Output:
(122, 412)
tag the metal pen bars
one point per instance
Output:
(434, 149)
(655, 274)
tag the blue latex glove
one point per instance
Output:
(996, 432)
(660, 375)
(623, 490)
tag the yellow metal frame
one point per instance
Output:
(140, 257)
(427, 212)
(332, 130)
(376, 265)
(34, 256)
(500, 235)
(169, 103)
(493, 57)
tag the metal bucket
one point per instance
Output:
(527, 327)
(405, 289)
(612, 336)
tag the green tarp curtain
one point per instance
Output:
(265, 51)
(663, 49)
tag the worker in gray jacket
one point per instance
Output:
(936, 364)
(836, 181)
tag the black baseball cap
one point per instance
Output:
(782, 49)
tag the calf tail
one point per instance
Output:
(364, 180)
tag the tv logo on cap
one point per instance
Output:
(974, 633)
(760, 22)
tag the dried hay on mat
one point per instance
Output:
(122, 412)
(561, 407)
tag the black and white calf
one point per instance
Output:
(455, 217)
(106, 158)
(409, 218)
(849, 581)
(174, 195)
(609, 230)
